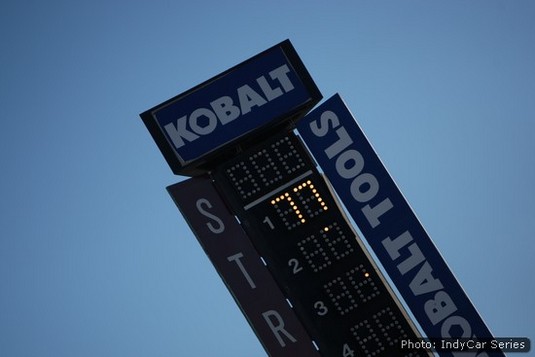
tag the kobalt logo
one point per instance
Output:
(203, 121)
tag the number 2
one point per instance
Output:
(294, 263)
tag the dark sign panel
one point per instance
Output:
(242, 269)
(390, 226)
(295, 223)
(267, 90)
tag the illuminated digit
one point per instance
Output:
(302, 201)
(287, 210)
(309, 198)
(294, 264)
(295, 209)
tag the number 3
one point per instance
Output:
(320, 307)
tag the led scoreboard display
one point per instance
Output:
(288, 211)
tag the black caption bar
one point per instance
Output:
(504, 344)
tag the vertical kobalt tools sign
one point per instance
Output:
(389, 225)
(253, 97)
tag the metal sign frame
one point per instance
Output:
(253, 98)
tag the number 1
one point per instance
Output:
(268, 222)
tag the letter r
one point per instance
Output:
(277, 328)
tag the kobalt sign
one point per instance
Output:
(223, 110)
(390, 226)
(259, 94)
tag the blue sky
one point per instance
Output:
(95, 259)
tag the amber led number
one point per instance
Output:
(292, 218)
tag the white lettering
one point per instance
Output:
(424, 282)
(281, 74)
(370, 183)
(219, 227)
(439, 308)
(225, 109)
(278, 329)
(325, 118)
(344, 140)
(269, 93)
(249, 98)
(200, 113)
(356, 161)
(236, 258)
(457, 321)
(393, 246)
(203, 121)
(179, 132)
(413, 260)
(372, 214)
(350, 164)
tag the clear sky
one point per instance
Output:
(95, 258)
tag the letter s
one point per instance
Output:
(220, 227)
(325, 118)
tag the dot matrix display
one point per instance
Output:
(258, 173)
(298, 204)
(381, 331)
(295, 223)
(354, 288)
(329, 245)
